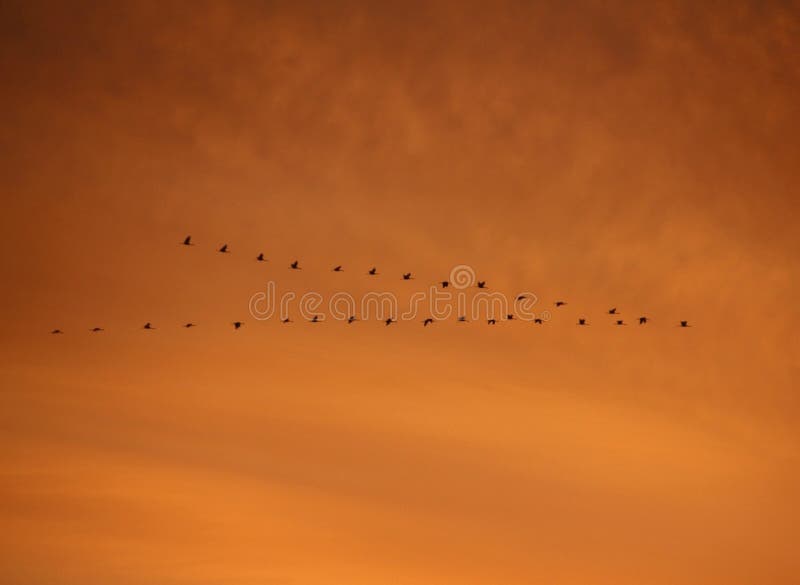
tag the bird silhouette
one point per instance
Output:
(237, 324)
(389, 321)
(261, 258)
(315, 319)
(148, 326)
(685, 324)
(407, 276)
(188, 241)
(620, 322)
(351, 319)
(510, 317)
(97, 330)
(581, 321)
(286, 320)
(481, 284)
(427, 322)
(612, 311)
(337, 268)
(538, 321)
(56, 332)
(373, 271)
(462, 319)
(445, 284)
(642, 320)
(190, 325)
(295, 265)
(560, 303)
(521, 297)
(491, 322)
(223, 249)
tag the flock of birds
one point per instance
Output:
(481, 284)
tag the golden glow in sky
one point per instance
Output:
(634, 155)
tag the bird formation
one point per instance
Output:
(373, 271)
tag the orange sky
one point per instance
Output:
(611, 154)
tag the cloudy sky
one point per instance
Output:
(628, 154)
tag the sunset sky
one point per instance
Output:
(638, 155)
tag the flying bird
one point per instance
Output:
(148, 326)
(581, 321)
(462, 319)
(286, 320)
(237, 324)
(189, 325)
(351, 319)
(642, 320)
(685, 324)
(56, 332)
(337, 268)
(373, 271)
(389, 321)
(315, 319)
(481, 284)
(96, 329)
(510, 317)
(620, 322)
(295, 265)
(445, 284)
(427, 322)
(407, 276)
(612, 311)
(521, 297)
(188, 241)
(491, 322)
(538, 321)
(224, 249)
(261, 258)
(560, 303)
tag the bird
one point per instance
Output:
(445, 284)
(491, 322)
(314, 319)
(97, 330)
(373, 271)
(620, 322)
(351, 319)
(188, 241)
(462, 319)
(148, 326)
(189, 325)
(427, 322)
(521, 297)
(224, 249)
(56, 332)
(612, 311)
(337, 268)
(407, 276)
(237, 324)
(642, 320)
(261, 258)
(510, 317)
(295, 265)
(685, 324)
(389, 321)
(481, 284)
(581, 321)
(560, 303)
(286, 320)
(538, 321)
